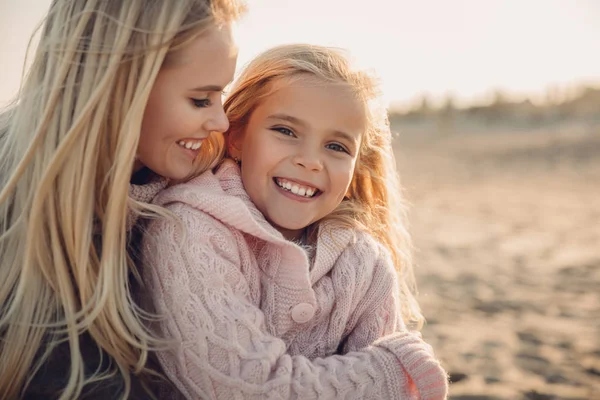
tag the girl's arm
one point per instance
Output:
(222, 350)
(378, 313)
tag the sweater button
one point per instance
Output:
(303, 312)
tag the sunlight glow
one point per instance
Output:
(463, 48)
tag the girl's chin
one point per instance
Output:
(290, 232)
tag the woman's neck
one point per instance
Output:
(141, 176)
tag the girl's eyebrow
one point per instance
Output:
(288, 118)
(346, 136)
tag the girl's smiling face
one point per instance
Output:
(298, 152)
(185, 104)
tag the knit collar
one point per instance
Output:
(144, 194)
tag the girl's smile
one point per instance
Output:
(296, 188)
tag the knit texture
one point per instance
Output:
(143, 194)
(226, 284)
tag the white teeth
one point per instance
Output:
(296, 189)
(190, 145)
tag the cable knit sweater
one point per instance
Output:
(252, 320)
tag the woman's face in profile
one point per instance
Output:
(185, 104)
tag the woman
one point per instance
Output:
(119, 92)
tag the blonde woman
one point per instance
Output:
(278, 280)
(118, 92)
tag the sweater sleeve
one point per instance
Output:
(221, 349)
(378, 313)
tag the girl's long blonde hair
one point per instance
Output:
(374, 201)
(67, 148)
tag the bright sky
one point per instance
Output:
(434, 47)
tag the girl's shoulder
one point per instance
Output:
(217, 196)
(374, 250)
(222, 184)
(199, 205)
(355, 247)
(198, 190)
(349, 239)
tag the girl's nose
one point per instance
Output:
(310, 160)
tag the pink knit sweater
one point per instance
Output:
(143, 194)
(251, 318)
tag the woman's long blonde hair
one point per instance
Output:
(67, 147)
(374, 201)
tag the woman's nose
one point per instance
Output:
(218, 121)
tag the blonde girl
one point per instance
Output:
(278, 279)
(118, 92)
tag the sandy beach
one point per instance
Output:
(507, 230)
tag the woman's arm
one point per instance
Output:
(223, 350)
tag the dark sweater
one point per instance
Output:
(51, 379)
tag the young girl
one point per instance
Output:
(118, 92)
(291, 258)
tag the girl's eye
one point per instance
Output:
(284, 131)
(201, 103)
(337, 147)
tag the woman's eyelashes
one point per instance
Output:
(201, 103)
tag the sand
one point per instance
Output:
(507, 230)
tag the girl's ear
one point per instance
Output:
(235, 142)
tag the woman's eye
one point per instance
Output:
(284, 131)
(337, 147)
(201, 103)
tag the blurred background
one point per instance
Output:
(496, 109)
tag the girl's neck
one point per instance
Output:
(296, 235)
(303, 239)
